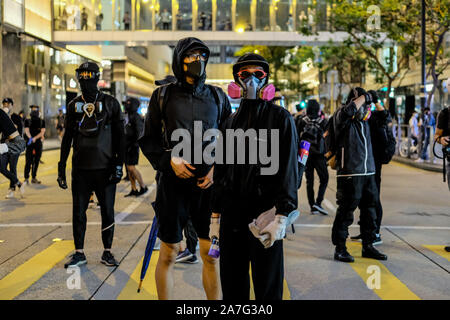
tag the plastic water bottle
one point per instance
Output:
(304, 151)
(214, 251)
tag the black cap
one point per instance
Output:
(88, 66)
(250, 59)
(8, 100)
(313, 108)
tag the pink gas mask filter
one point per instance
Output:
(266, 93)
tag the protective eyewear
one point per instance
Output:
(86, 75)
(197, 56)
(244, 74)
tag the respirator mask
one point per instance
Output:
(251, 86)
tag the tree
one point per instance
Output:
(377, 27)
(437, 26)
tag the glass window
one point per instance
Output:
(223, 19)
(184, 15)
(243, 19)
(163, 15)
(204, 15)
(143, 15)
(282, 15)
(263, 15)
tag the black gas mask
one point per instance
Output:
(34, 114)
(88, 79)
(196, 69)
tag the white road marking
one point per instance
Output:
(383, 227)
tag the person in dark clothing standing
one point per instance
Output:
(355, 175)
(94, 124)
(134, 124)
(11, 146)
(34, 134)
(243, 191)
(187, 106)
(383, 148)
(311, 128)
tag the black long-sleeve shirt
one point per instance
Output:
(101, 151)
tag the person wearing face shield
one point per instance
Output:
(34, 135)
(134, 125)
(242, 192)
(183, 188)
(94, 125)
(356, 184)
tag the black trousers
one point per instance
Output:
(191, 237)
(353, 192)
(84, 182)
(11, 174)
(318, 163)
(239, 248)
(32, 157)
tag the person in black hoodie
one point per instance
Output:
(94, 124)
(242, 191)
(133, 130)
(183, 185)
(383, 149)
(356, 184)
(311, 128)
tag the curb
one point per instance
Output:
(423, 165)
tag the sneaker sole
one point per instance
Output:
(322, 211)
(191, 262)
(348, 261)
(184, 259)
(80, 263)
(377, 243)
(108, 264)
(365, 256)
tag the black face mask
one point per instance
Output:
(89, 89)
(34, 114)
(196, 69)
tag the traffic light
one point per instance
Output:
(303, 104)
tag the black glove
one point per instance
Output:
(16, 145)
(62, 175)
(374, 95)
(116, 175)
(368, 98)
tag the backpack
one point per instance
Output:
(162, 101)
(330, 144)
(313, 133)
(389, 145)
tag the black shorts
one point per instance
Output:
(178, 200)
(132, 156)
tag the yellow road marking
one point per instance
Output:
(148, 291)
(31, 271)
(439, 250)
(391, 288)
(286, 292)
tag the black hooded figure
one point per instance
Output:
(311, 128)
(94, 124)
(355, 175)
(242, 191)
(188, 106)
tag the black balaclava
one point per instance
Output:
(312, 109)
(89, 87)
(132, 105)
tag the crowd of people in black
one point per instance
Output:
(231, 203)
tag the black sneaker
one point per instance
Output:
(142, 192)
(183, 256)
(76, 259)
(132, 193)
(108, 259)
(314, 210)
(35, 181)
(320, 209)
(341, 254)
(370, 252)
(447, 248)
(377, 240)
(356, 238)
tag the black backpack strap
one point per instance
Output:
(162, 100)
(219, 100)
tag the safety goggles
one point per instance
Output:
(246, 73)
(197, 56)
(86, 75)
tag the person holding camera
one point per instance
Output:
(442, 135)
(356, 184)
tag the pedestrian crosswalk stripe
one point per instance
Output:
(390, 287)
(32, 270)
(148, 291)
(286, 292)
(439, 250)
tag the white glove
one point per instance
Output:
(276, 230)
(214, 228)
(3, 148)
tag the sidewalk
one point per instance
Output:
(51, 144)
(436, 167)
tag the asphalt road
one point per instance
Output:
(36, 239)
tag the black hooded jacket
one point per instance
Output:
(134, 124)
(103, 151)
(243, 184)
(184, 104)
(354, 147)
